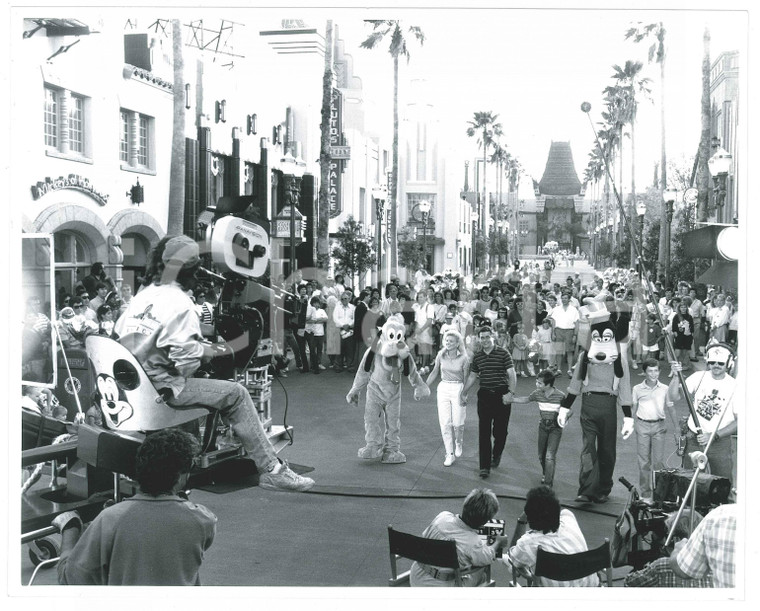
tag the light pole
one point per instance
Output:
(293, 169)
(380, 195)
(669, 197)
(475, 218)
(719, 165)
(424, 209)
(641, 209)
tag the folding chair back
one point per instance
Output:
(568, 567)
(433, 552)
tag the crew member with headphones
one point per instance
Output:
(713, 396)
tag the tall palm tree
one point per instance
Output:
(656, 31)
(397, 47)
(632, 87)
(176, 217)
(487, 129)
(323, 218)
(500, 158)
(703, 176)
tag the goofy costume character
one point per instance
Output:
(604, 381)
(380, 371)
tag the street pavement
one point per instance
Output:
(336, 535)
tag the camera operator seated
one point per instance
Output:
(162, 329)
(556, 530)
(703, 560)
(479, 507)
(154, 538)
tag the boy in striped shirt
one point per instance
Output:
(549, 432)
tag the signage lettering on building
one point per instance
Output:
(336, 165)
(340, 152)
(72, 181)
(293, 24)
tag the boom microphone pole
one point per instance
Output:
(586, 108)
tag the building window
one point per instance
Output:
(124, 137)
(412, 199)
(76, 124)
(65, 123)
(51, 117)
(72, 260)
(136, 142)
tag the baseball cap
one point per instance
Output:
(181, 250)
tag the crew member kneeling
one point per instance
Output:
(161, 328)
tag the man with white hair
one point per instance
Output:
(713, 397)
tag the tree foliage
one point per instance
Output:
(354, 252)
(410, 253)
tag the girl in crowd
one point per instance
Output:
(423, 335)
(439, 318)
(316, 318)
(544, 336)
(105, 321)
(682, 328)
(520, 352)
(492, 312)
(454, 367)
(371, 321)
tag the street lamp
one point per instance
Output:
(424, 209)
(380, 194)
(720, 165)
(475, 217)
(669, 197)
(641, 210)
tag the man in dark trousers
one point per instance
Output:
(493, 365)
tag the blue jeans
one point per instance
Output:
(650, 447)
(549, 436)
(235, 405)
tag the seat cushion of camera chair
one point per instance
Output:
(126, 396)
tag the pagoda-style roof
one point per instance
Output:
(560, 177)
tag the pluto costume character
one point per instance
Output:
(383, 364)
(604, 380)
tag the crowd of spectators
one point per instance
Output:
(541, 323)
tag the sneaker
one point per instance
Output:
(457, 450)
(495, 461)
(634, 365)
(322, 367)
(449, 460)
(484, 473)
(285, 480)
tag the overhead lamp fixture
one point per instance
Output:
(221, 107)
(251, 127)
(187, 96)
(277, 134)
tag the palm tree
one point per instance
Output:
(323, 218)
(397, 47)
(176, 216)
(703, 176)
(500, 157)
(485, 127)
(632, 86)
(639, 32)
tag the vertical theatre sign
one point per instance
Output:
(339, 154)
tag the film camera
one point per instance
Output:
(237, 241)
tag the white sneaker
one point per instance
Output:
(449, 460)
(457, 450)
(648, 500)
(286, 479)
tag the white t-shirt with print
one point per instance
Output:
(711, 396)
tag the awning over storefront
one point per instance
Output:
(722, 273)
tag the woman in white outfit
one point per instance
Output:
(454, 367)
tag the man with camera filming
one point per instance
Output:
(161, 328)
(713, 396)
